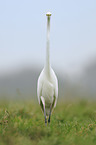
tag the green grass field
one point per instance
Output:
(22, 123)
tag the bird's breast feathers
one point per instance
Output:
(47, 90)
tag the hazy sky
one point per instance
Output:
(23, 33)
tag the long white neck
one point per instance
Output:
(47, 64)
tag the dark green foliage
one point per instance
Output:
(22, 123)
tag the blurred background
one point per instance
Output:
(72, 47)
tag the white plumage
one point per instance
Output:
(47, 85)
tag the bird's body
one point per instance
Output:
(47, 86)
(48, 89)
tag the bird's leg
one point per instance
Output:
(49, 114)
(52, 105)
(42, 104)
(45, 116)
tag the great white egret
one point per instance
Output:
(47, 85)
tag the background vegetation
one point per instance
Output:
(22, 123)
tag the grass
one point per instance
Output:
(22, 123)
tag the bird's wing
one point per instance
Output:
(55, 83)
(39, 85)
(55, 103)
(55, 96)
(56, 90)
(42, 103)
(39, 90)
(54, 100)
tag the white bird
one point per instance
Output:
(47, 85)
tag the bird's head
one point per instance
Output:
(48, 14)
